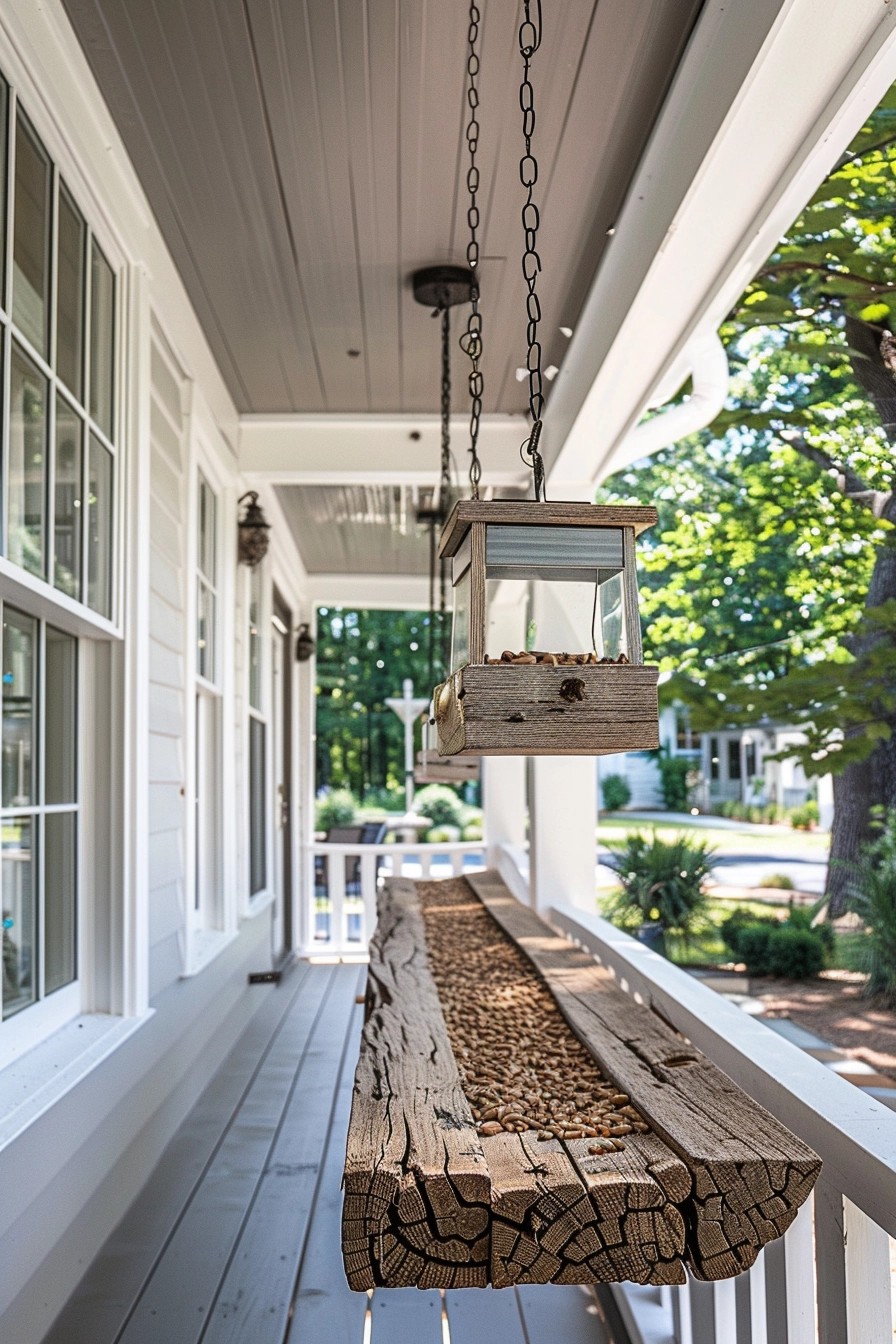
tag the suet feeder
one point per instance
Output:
(594, 699)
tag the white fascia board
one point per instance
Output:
(43, 59)
(392, 592)
(375, 449)
(767, 96)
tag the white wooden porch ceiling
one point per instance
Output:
(302, 157)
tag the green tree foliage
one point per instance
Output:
(770, 583)
(362, 659)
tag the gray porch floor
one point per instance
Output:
(235, 1238)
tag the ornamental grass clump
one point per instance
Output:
(873, 897)
(662, 883)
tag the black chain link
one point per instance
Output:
(471, 341)
(530, 41)
(445, 474)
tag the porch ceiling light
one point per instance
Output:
(253, 531)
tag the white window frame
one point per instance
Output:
(211, 925)
(118, 985)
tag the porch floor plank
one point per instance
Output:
(406, 1316)
(257, 1291)
(111, 1287)
(244, 1209)
(187, 1281)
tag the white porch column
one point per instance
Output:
(504, 777)
(562, 789)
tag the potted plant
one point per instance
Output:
(661, 886)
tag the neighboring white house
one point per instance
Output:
(157, 728)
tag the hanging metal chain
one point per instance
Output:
(530, 41)
(471, 341)
(445, 473)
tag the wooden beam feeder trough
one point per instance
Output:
(593, 700)
(517, 1118)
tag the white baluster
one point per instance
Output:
(869, 1307)
(336, 884)
(799, 1271)
(368, 894)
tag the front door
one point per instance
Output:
(281, 742)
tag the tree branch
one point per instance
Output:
(874, 286)
(848, 482)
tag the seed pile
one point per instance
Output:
(553, 659)
(520, 1065)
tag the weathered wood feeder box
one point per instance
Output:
(596, 699)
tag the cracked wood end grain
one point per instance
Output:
(750, 1173)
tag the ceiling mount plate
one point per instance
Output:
(443, 286)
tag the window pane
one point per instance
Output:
(734, 760)
(70, 295)
(19, 708)
(67, 500)
(207, 523)
(60, 901)
(99, 529)
(257, 863)
(255, 639)
(19, 903)
(205, 632)
(27, 463)
(31, 236)
(60, 709)
(4, 114)
(102, 338)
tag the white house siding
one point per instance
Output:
(167, 671)
(85, 1115)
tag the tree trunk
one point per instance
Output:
(872, 781)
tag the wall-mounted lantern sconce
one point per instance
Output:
(305, 644)
(253, 529)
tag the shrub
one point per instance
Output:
(443, 834)
(805, 817)
(473, 830)
(674, 780)
(777, 881)
(794, 953)
(793, 949)
(441, 805)
(873, 898)
(753, 947)
(385, 799)
(662, 881)
(336, 808)
(616, 792)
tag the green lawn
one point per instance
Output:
(804, 843)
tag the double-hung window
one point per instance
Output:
(57, 526)
(207, 894)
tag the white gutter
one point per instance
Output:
(707, 362)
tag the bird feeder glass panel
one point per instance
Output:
(587, 561)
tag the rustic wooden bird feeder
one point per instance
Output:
(594, 699)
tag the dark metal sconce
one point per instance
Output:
(305, 645)
(253, 529)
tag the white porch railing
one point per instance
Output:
(342, 882)
(828, 1280)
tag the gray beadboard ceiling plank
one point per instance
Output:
(264, 296)
(207, 159)
(298, 48)
(371, 43)
(431, 69)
